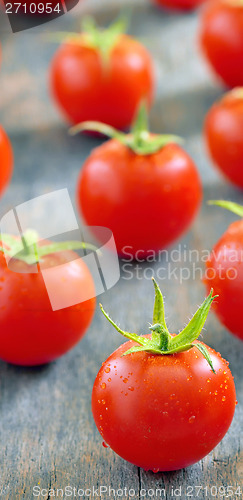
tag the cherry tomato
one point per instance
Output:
(6, 160)
(221, 38)
(223, 132)
(163, 412)
(147, 201)
(31, 333)
(179, 4)
(87, 89)
(224, 272)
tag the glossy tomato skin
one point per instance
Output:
(179, 4)
(6, 160)
(86, 89)
(146, 201)
(163, 412)
(221, 38)
(224, 272)
(223, 133)
(31, 333)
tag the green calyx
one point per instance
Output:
(139, 140)
(228, 205)
(161, 341)
(29, 250)
(103, 40)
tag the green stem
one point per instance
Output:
(161, 341)
(33, 252)
(102, 40)
(139, 140)
(228, 205)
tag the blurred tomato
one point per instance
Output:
(223, 132)
(6, 160)
(221, 37)
(87, 88)
(179, 4)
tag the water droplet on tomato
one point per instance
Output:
(226, 387)
(216, 393)
(172, 396)
(165, 413)
(208, 380)
(236, 402)
(101, 417)
(103, 386)
(155, 471)
(192, 419)
(103, 401)
(189, 378)
(224, 398)
(131, 388)
(105, 445)
(109, 379)
(125, 380)
(107, 370)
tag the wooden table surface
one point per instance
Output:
(48, 437)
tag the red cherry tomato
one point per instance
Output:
(31, 333)
(223, 132)
(147, 201)
(179, 4)
(164, 411)
(224, 272)
(6, 160)
(86, 89)
(221, 39)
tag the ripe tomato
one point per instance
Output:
(179, 4)
(224, 272)
(163, 412)
(223, 133)
(88, 85)
(6, 160)
(31, 333)
(221, 38)
(143, 187)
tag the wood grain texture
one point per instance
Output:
(48, 437)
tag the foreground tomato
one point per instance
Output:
(101, 76)
(179, 4)
(224, 272)
(143, 187)
(223, 133)
(156, 401)
(31, 333)
(222, 39)
(6, 160)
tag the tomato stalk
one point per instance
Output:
(102, 40)
(33, 252)
(139, 140)
(161, 341)
(228, 205)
